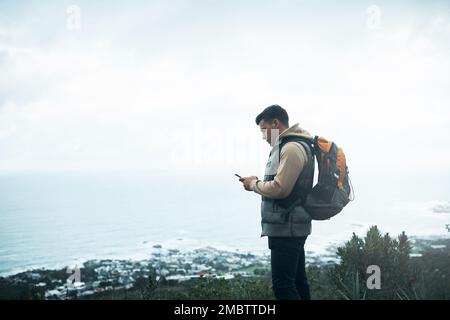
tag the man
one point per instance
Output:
(288, 177)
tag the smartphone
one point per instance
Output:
(237, 175)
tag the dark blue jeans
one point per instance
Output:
(287, 259)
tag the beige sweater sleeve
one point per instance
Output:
(292, 160)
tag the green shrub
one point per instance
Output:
(392, 256)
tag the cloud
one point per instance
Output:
(139, 85)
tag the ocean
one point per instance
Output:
(53, 220)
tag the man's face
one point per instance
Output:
(269, 130)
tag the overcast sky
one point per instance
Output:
(139, 85)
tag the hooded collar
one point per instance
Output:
(294, 130)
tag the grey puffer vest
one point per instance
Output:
(286, 217)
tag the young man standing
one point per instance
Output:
(288, 177)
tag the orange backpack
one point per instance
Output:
(332, 191)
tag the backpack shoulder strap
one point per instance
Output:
(308, 170)
(307, 144)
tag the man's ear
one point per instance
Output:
(275, 123)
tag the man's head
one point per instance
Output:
(272, 121)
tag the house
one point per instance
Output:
(53, 294)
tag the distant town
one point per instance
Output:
(170, 265)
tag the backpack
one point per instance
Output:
(333, 188)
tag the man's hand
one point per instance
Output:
(247, 181)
